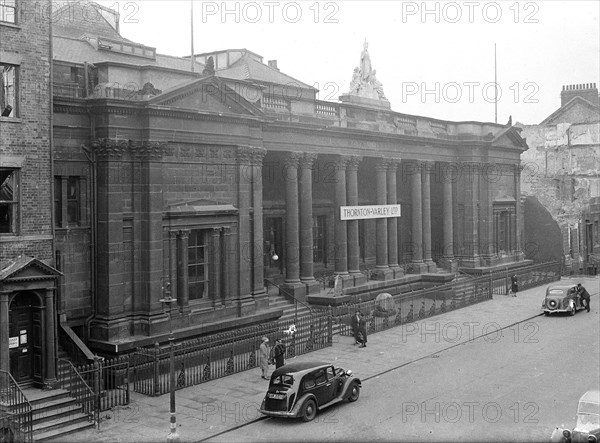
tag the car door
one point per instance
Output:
(322, 387)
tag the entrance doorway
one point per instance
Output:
(25, 338)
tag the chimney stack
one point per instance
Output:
(588, 91)
(273, 64)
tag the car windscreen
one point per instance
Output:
(588, 408)
(284, 379)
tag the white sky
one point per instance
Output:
(540, 47)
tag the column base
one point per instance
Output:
(470, 262)
(296, 290)
(312, 286)
(245, 305)
(382, 274)
(51, 383)
(418, 268)
(359, 278)
(431, 266)
(347, 280)
(449, 264)
(398, 271)
(261, 299)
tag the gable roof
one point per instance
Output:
(247, 68)
(512, 135)
(571, 103)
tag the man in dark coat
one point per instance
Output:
(362, 332)
(355, 323)
(279, 353)
(584, 295)
(514, 285)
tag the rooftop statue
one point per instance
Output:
(364, 81)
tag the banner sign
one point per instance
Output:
(365, 212)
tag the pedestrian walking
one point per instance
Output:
(584, 295)
(279, 353)
(263, 357)
(362, 331)
(355, 321)
(514, 285)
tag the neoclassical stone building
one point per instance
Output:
(214, 179)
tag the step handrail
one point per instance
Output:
(27, 410)
(83, 393)
(292, 296)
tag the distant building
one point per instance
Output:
(562, 169)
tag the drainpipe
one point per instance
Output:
(93, 222)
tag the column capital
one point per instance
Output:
(252, 155)
(393, 164)
(382, 164)
(291, 160)
(427, 166)
(353, 162)
(341, 162)
(183, 233)
(308, 160)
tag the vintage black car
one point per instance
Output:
(300, 389)
(587, 428)
(562, 298)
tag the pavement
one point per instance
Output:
(226, 403)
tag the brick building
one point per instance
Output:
(205, 180)
(561, 170)
(27, 275)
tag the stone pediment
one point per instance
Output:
(208, 94)
(510, 137)
(26, 268)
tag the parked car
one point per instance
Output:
(300, 389)
(561, 298)
(587, 428)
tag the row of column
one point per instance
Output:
(299, 242)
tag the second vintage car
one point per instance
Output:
(562, 298)
(300, 389)
(587, 428)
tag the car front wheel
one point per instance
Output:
(309, 410)
(354, 392)
(572, 311)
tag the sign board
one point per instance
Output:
(366, 212)
(13, 342)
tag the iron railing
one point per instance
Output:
(16, 417)
(71, 380)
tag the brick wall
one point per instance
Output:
(27, 134)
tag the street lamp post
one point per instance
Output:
(167, 301)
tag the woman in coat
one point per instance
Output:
(263, 357)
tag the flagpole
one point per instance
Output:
(495, 87)
(192, 28)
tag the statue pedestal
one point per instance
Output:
(365, 101)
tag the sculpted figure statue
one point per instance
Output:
(365, 62)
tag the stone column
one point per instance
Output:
(447, 260)
(245, 300)
(392, 222)
(340, 226)
(230, 282)
(519, 204)
(4, 333)
(382, 270)
(183, 298)
(173, 259)
(50, 331)
(258, 276)
(426, 207)
(214, 292)
(306, 223)
(292, 285)
(471, 187)
(417, 264)
(352, 225)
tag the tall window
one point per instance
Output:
(197, 265)
(320, 239)
(9, 200)
(58, 201)
(504, 227)
(8, 9)
(73, 201)
(8, 90)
